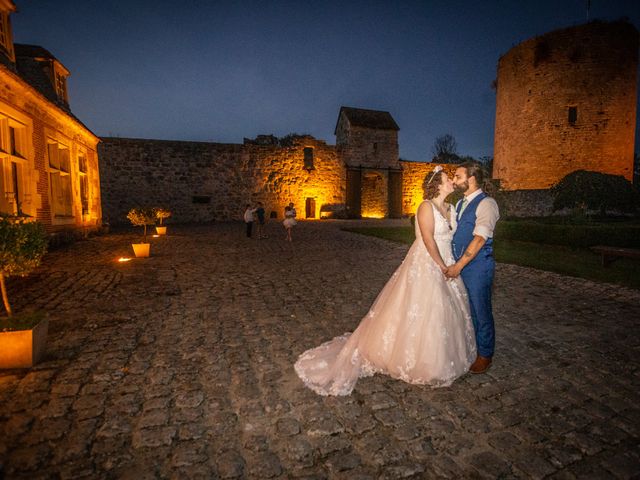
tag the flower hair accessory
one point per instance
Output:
(435, 170)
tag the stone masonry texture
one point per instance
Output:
(181, 366)
(206, 182)
(591, 68)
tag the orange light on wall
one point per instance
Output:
(372, 214)
(416, 200)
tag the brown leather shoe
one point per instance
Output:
(481, 365)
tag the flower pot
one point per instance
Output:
(141, 249)
(161, 230)
(23, 348)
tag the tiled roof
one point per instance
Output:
(360, 117)
(24, 50)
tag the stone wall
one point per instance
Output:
(205, 182)
(526, 203)
(368, 147)
(413, 175)
(591, 68)
(375, 194)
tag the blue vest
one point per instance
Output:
(464, 233)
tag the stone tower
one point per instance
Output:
(368, 144)
(566, 101)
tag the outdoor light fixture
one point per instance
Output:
(124, 259)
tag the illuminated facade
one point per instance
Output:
(361, 176)
(566, 101)
(48, 158)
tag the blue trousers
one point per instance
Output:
(478, 279)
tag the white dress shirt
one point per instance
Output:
(487, 215)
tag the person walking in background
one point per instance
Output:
(260, 215)
(289, 219)
(248, 219)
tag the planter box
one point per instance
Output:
(141, 249)
(23, 348)
(161, 230)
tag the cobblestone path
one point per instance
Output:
(180, 366)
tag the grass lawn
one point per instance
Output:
(576, 262)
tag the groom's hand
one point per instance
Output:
(453, 271)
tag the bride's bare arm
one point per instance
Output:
(426, 222)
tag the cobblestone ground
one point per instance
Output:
(180, 366)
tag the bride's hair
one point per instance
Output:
(431, 184)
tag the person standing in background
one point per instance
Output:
(260, 214)
(289, 219)
(248, 219)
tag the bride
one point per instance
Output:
(418, 329)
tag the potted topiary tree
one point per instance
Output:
(141, 217)
(161, 214)
(23, 337)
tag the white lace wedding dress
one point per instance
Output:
(418, 329)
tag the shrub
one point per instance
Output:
(583, 190)
(23, 243)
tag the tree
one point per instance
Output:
(445, 149)
(584, 190)
(161, 213)
(22, 245)
(141, 217)
(487, 163)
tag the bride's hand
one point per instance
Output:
(443, 269)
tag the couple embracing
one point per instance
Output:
(432, 322)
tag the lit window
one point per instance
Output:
(5, 34)
(12, 165)
(84, 185)
(16, 142)
(60, 180)
(61, 86)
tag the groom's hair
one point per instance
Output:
(474, 169)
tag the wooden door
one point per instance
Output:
(310, 208)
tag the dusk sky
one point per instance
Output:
(224, 70)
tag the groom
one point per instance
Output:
(477, 214)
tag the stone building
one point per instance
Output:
(368, 142)
(566, 101)
(48, 158)
(361, 176)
